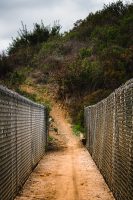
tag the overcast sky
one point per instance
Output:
(12, 12)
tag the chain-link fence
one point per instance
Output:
(23, 136)
(109, 135)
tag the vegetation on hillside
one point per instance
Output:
(81, 66)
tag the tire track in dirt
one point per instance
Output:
(75, 180)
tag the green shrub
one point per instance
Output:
(77, 129)
(85, 52)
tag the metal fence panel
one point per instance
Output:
(23, 137)
(109, 135)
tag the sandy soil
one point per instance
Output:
(67, 171)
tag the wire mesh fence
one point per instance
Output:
(23, 137)
(109, 135)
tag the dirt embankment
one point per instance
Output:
(66, 172)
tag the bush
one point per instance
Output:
(77, 129)
(85, 52)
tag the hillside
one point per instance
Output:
(77, 68)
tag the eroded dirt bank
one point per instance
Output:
(66, 172)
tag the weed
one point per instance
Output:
(77, 129)
(50, 139)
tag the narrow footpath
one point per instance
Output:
(67, 171)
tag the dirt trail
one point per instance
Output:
(67, 171)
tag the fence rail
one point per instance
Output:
(109, 135)
(23, 136)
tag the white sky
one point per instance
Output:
(12, 12)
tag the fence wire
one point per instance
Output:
(23, 136)
(109, 135)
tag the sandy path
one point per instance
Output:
(67, 171)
